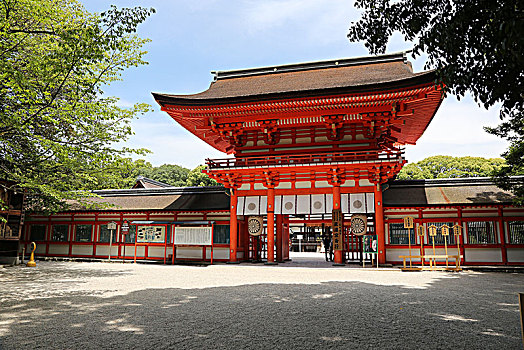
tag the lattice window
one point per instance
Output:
(221, 234)
(83, 233)
(516, 232)
(481, 232)
(439, 239)
(105, 234)
(130, 237)
(38, 233)
(399, 235)
(59, 233)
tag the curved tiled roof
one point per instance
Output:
(315, 78)
(167, 198)
(457, 191)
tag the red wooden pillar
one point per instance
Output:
(271, 226)
(379, 222)
(339, 254)
(280, 238)
(461, 237)
(233, 228)
(502, 237)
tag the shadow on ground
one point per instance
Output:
(468, 312)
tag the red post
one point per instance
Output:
(339, 254)
(233, 228)
(280, 245)
(502, 236)
(379, 222)
(270, 226)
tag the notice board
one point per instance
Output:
(193, 235)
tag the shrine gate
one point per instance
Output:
(309, 140)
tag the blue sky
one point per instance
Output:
(190, 38)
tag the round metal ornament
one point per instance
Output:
(255, 225)
(359, 224)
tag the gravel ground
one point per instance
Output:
(72, 305)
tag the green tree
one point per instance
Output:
(124, 174)
(474, 46)
(197, 178)
(56, 127)
(171, 174)
(437, 167)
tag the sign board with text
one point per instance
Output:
(338, 240)
(194, 235)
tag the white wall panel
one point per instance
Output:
(370, 202)
(357, 203)
(240, 205)
(288, 205)
(252, 205)
(515, 254)
(140, 251)
(263, 205)
(245, 187)
(318, 204)
(103, 250)
(188, 253)
(302, 184)
(58, 249)
(218, 253)
(278, 204)
(157, 252)
(82, 250)
(344, 198)
(303, 204)
(483, 254)
(329, 203)
(393, 254)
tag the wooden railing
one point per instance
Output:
(283, 160)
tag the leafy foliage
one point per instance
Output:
(197, 178)
(56, 128)
(474, 46)
(126, 174)
(437, 167)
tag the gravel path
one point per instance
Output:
(61, 305)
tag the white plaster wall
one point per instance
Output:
(392, 254)
(82, 250)
(156, 252)
(104, 250)
(218, 253)
(58, 249)
(189, 252)
(515, 255)
(303, 184)
(483, 255)
(140, 251)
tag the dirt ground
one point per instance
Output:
(73, 305)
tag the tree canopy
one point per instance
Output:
(437, 167)
(57, 129)
(474, 46)
(197, 178)
(175, 175)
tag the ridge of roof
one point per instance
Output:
(153, 182)
(170, 191)
(459, 181)
(323, 64)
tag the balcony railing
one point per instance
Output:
(303, 159)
